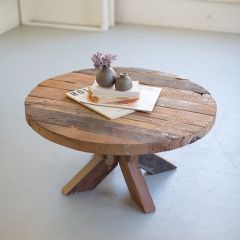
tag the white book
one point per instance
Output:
(108, 112)
(146, 102)
(110, 95)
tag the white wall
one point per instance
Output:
(9, 17)
(86, 12)
(77, 14)
(215, 15)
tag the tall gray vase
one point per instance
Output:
(106, 77)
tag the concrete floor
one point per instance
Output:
(200, 200)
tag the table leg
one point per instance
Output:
(154, 164)
(136, 183)
(91, 175)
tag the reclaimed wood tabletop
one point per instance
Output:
(183, 114)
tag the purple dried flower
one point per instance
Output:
(107, 59)
(101, 60)
(97, 60)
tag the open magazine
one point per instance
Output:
(146, 102)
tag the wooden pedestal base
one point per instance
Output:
(101, 165)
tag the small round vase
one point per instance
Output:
(123, 83)
(106, 77)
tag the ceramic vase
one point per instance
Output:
(106, 77)
(123, 83)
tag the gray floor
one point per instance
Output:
(200, 200)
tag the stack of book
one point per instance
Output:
(100, 94)
(114, 104)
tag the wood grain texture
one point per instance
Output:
(91, 175)
(184, 113)
(136, 183)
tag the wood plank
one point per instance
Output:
(187, 96)
(168, 76)
(180, 116)
(30, 101)
(50, 93)
(187, 106)
(153, 126)
(136, 183)
(165, 123)
(75, 78)
(84, 111)
(91, 175)
(63, 85)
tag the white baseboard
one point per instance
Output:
(211, 15)
(9, 15)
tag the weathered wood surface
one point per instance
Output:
(184, 113)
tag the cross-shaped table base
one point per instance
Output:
(101, 165)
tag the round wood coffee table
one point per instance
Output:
(184, 113)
